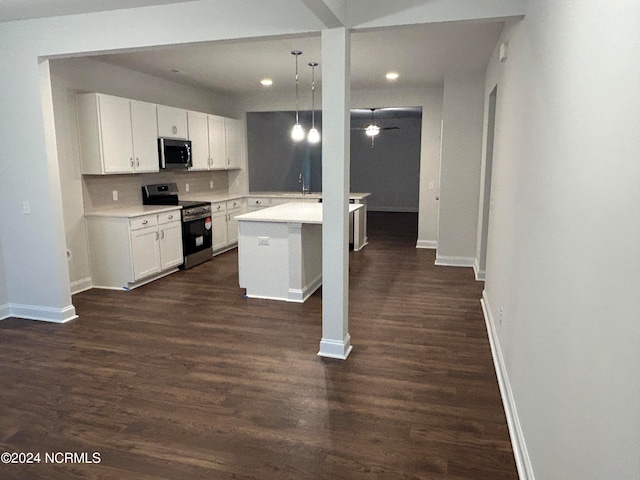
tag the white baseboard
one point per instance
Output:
(455, 261)
(81, 285)
(44, 314)
(480, 274)
(431, 244)
(335, 348)
(301, 295)
(5, 311)
(523, 462)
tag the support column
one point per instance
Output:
(336, 50)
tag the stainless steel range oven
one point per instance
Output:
(197, 231)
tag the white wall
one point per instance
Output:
(73, 75)
(462, 117)
(564, 232)
(4, 299)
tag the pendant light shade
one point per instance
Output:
(297, 133)
(314, 134)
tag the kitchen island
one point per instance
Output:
(280, 251)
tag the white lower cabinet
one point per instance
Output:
(127, 252)
(145, 252)
(219, 225)
(224, 223)
(234, 208)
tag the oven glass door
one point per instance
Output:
(196, 235)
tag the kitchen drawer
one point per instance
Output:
(218, 207)
(142, 222)
(234, 204)
(258, 202)
(168, 217)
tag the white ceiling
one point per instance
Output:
(27, 9)
(421, 54)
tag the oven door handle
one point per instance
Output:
(193, 219)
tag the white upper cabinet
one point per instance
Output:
(217, 148)
(116, 135)
(199, 136)
(215, 141)
(172, 122)
(145, 137)
(233, 142)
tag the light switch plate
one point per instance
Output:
(263, 240)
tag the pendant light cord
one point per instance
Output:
(296, 53)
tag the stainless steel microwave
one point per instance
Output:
(174, 153)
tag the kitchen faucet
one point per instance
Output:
(305, 187)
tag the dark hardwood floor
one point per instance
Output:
(184, 378)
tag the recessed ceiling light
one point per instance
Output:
(266, 82)
(392, 76)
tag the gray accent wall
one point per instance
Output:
(390, 170)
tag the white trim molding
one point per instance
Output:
(81, 285)
(430, 244)
(44, 314)
(5, 311)
(523, 462)
(335, 349)
(455, 261)
(480, 274)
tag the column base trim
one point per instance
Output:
(335, 348)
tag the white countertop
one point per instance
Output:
(131, 212)
(353, 195)
(293, 212)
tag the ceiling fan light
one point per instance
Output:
(372, 130)
(297, 133)
(314, 136)
(392, 76)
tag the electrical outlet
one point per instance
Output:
(501, 315)
(211, 184)
(26, 207)
(186, 187)
(263, 240)
(115, 195)
(432, 185)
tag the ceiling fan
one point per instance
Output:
(373, 130)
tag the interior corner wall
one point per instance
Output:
(564, 232)
(461, 155)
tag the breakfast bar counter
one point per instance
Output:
(280, 251)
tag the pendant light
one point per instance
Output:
(297, 133)
(314, 135)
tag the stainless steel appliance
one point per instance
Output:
(197, 228)
(174, 154)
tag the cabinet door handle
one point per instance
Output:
(157, 236)
(144, 222)
(162, 234)
(131, 161)
(137, 162)
(170, 217)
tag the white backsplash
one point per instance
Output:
(97, 190)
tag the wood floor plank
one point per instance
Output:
(186, 378)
